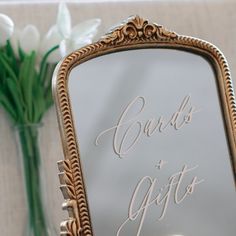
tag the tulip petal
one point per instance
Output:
(64, 20)
(85, 29)
(6, 28)
(30, 39)
(81, 43)
(51, 39)
(68, 45)
(65, 47)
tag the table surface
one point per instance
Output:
(213, 21)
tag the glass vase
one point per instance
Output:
(38, 220)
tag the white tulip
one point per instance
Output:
(6, 29)
(86, 29)
(69, 45)
(76, 37)
(68, 38)
(29, 39)
(64, 20)
(51, 39)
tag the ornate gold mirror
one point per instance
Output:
(147, 120)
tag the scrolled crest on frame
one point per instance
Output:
(136, 32)
(137, 28)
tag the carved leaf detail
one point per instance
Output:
(71, 192)
(68, 178)
(136, 28)
(67, 166)
(70, 228)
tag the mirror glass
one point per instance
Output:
(153, 145)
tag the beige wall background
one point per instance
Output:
(213, 21)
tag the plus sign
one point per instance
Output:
(161, 164)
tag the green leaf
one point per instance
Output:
(21, 54)
(7, 66)
(2, 74)
(25, 94)
(14, 92)
(43, 65)
(11, 54)
(39, 103)
(27, 77)
(8, 106)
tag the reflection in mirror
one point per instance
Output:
(153, 146)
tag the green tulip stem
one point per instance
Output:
(28, 138)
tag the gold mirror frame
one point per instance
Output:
(134, 33)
